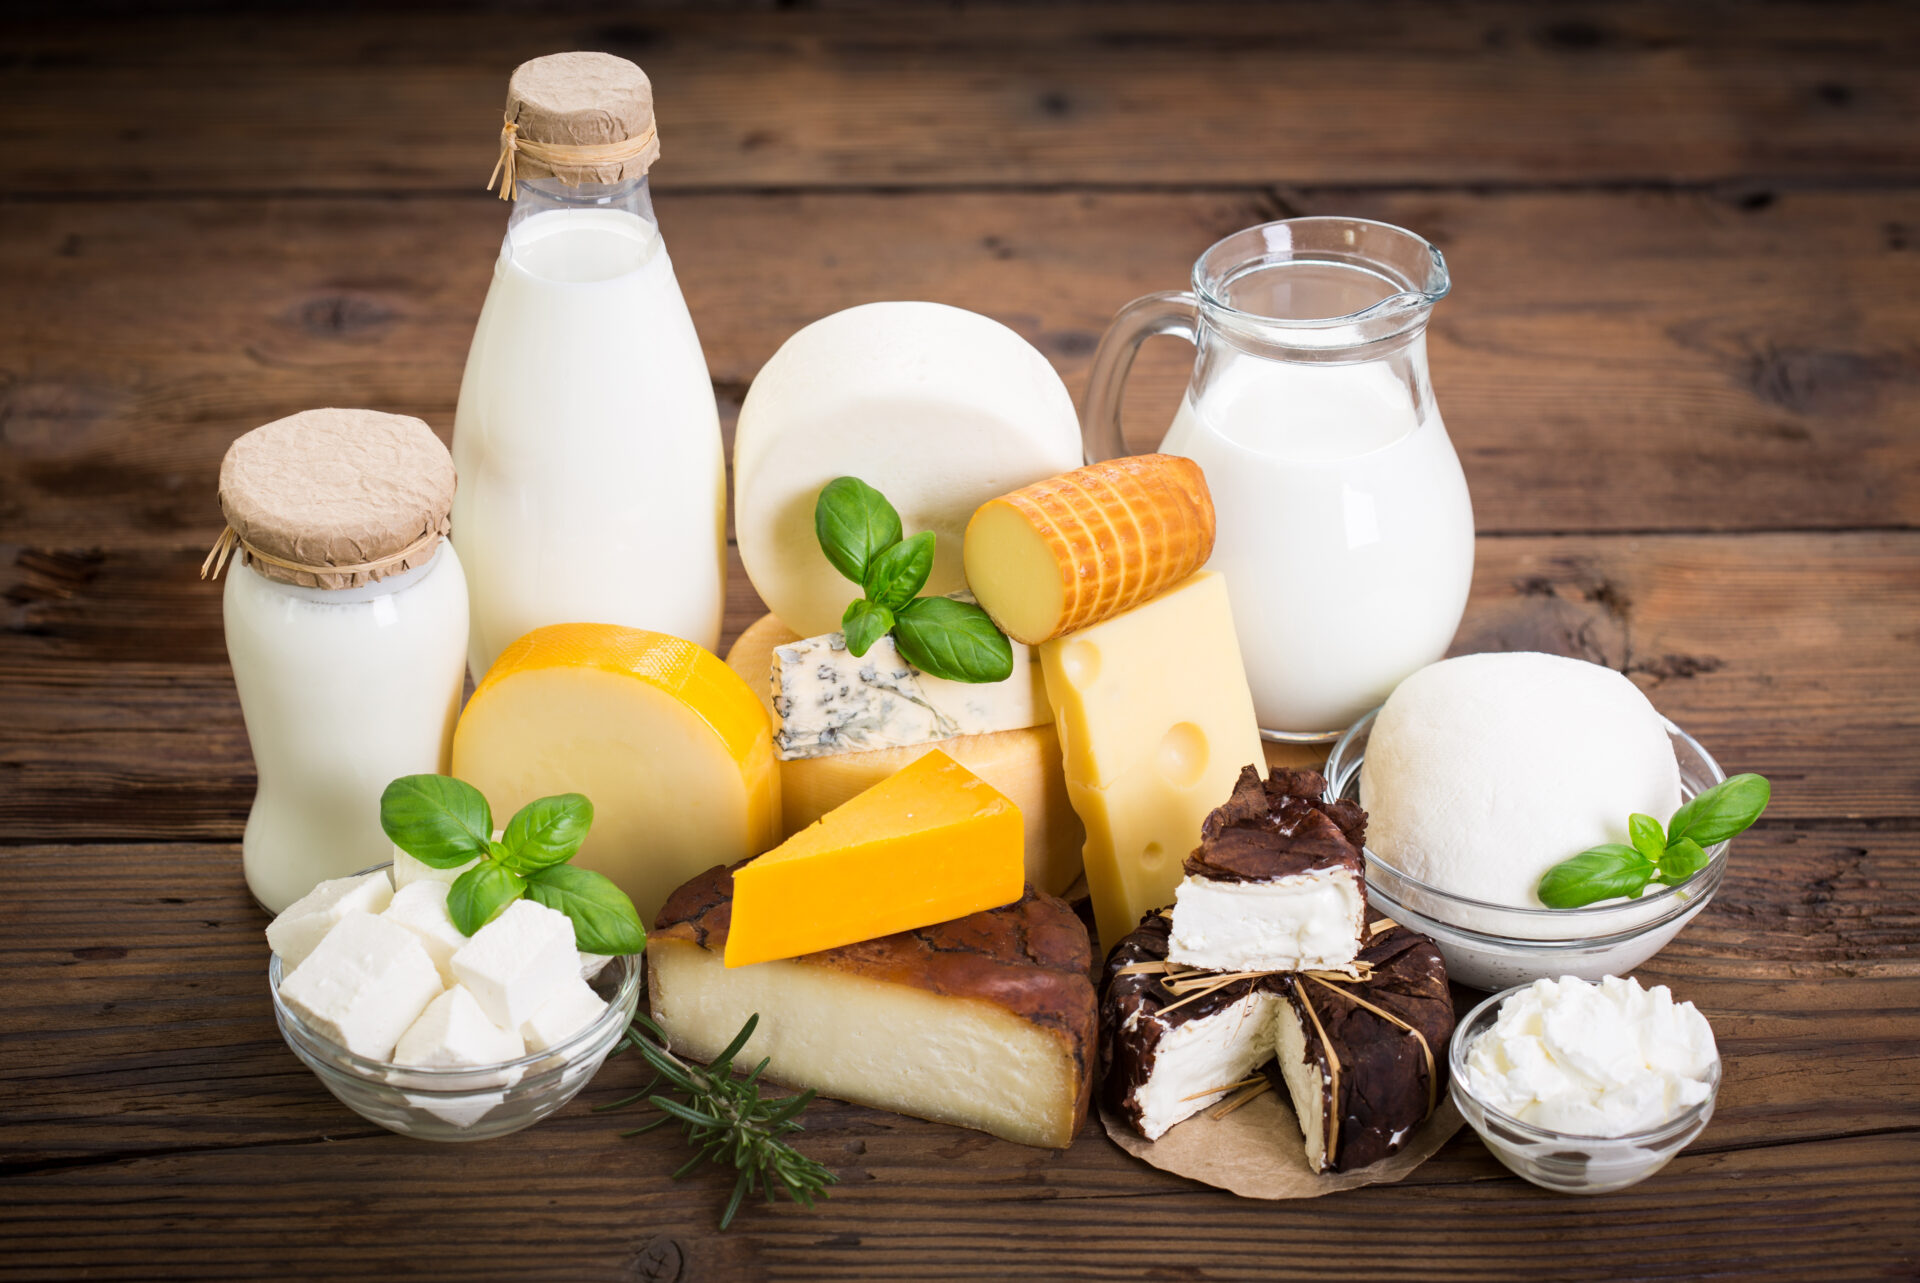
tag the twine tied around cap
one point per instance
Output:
(562, 154)
(230, 539)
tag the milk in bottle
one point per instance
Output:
(592, 482)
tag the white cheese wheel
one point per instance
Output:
(937, 408)
(1484, 771)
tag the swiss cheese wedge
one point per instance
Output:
(669, 744)
(1023, 764)
(932, 843)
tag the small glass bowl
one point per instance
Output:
(1492, 946)
(1563, 1161)
(465, 1104)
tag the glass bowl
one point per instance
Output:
(465, 1104)
(1494, 946)
(1564, 1161)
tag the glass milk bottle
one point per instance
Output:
(592, 481)
(346, 622)
(1344, 529)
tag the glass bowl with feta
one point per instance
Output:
(431, 1033)
(1490, 945)
(1584, 1087)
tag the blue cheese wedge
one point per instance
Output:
(828, 700)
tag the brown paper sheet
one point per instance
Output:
(1257, 1150)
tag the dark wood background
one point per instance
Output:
(1681, 365)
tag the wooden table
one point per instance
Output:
(1681, 365)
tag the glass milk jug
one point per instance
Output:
(1344, 529)
(592, 478)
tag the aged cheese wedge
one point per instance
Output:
(1065, 553)
(1155, 722)
(932, 843)
(938, 408)
(986, 1022)
(1023, 764)
(667, 741)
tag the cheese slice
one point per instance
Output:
(669, 744)
(1155, 722)
(933, 843)
(1023, 764)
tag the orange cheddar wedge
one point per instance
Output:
(928, 844)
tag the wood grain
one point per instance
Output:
(1694, 365)
(1121, 95)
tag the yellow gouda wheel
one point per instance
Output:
(670, 746)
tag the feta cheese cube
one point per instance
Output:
(407, 870)
(364, 984)
(518, 961)
(562, 1016)
(294, 934)
(421, 907)
(592, 964)
(454, 1033)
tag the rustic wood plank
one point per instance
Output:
(1720, 367)
(1791, 655)
(1124, 95)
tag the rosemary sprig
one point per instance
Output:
(725, 1119)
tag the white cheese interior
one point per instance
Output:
(953, 1060)
(1208, 1052)
(1306, 922)
(1306, 1083)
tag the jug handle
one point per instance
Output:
(1169, 312)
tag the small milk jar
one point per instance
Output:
(346, 621)
(592, 478)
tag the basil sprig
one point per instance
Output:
(861, 535)
(445, 823)
(1668, 856)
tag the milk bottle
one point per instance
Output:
(1345, 532)
(592, 482)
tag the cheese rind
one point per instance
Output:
(298, 930)
(363, 985)
(937, 408)
(1023, 764)
(673, 748)
(515, 963)
(932, 843)
(986, 1022)
(1155, 722)
(828, 700)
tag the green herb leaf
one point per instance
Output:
(478, 895)
(439, 821)
(1681, 861)
(545, 832)
(604, 919)
(1726, 809)
(1599, 874)
(952, 639)
(855, 524)
(864, 624)
(897, 575)
(1649, 839)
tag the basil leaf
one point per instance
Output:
(478, 895)
(440, 821)
(855, 524)
(1599, 874)
(1727, 808)
(952, 639)
(864, 624)
(1649, 839)
(547, 830)
(898, 574)
(1681, 861)
(604, 919)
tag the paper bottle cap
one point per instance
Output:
(337, 498)
(582, 100)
